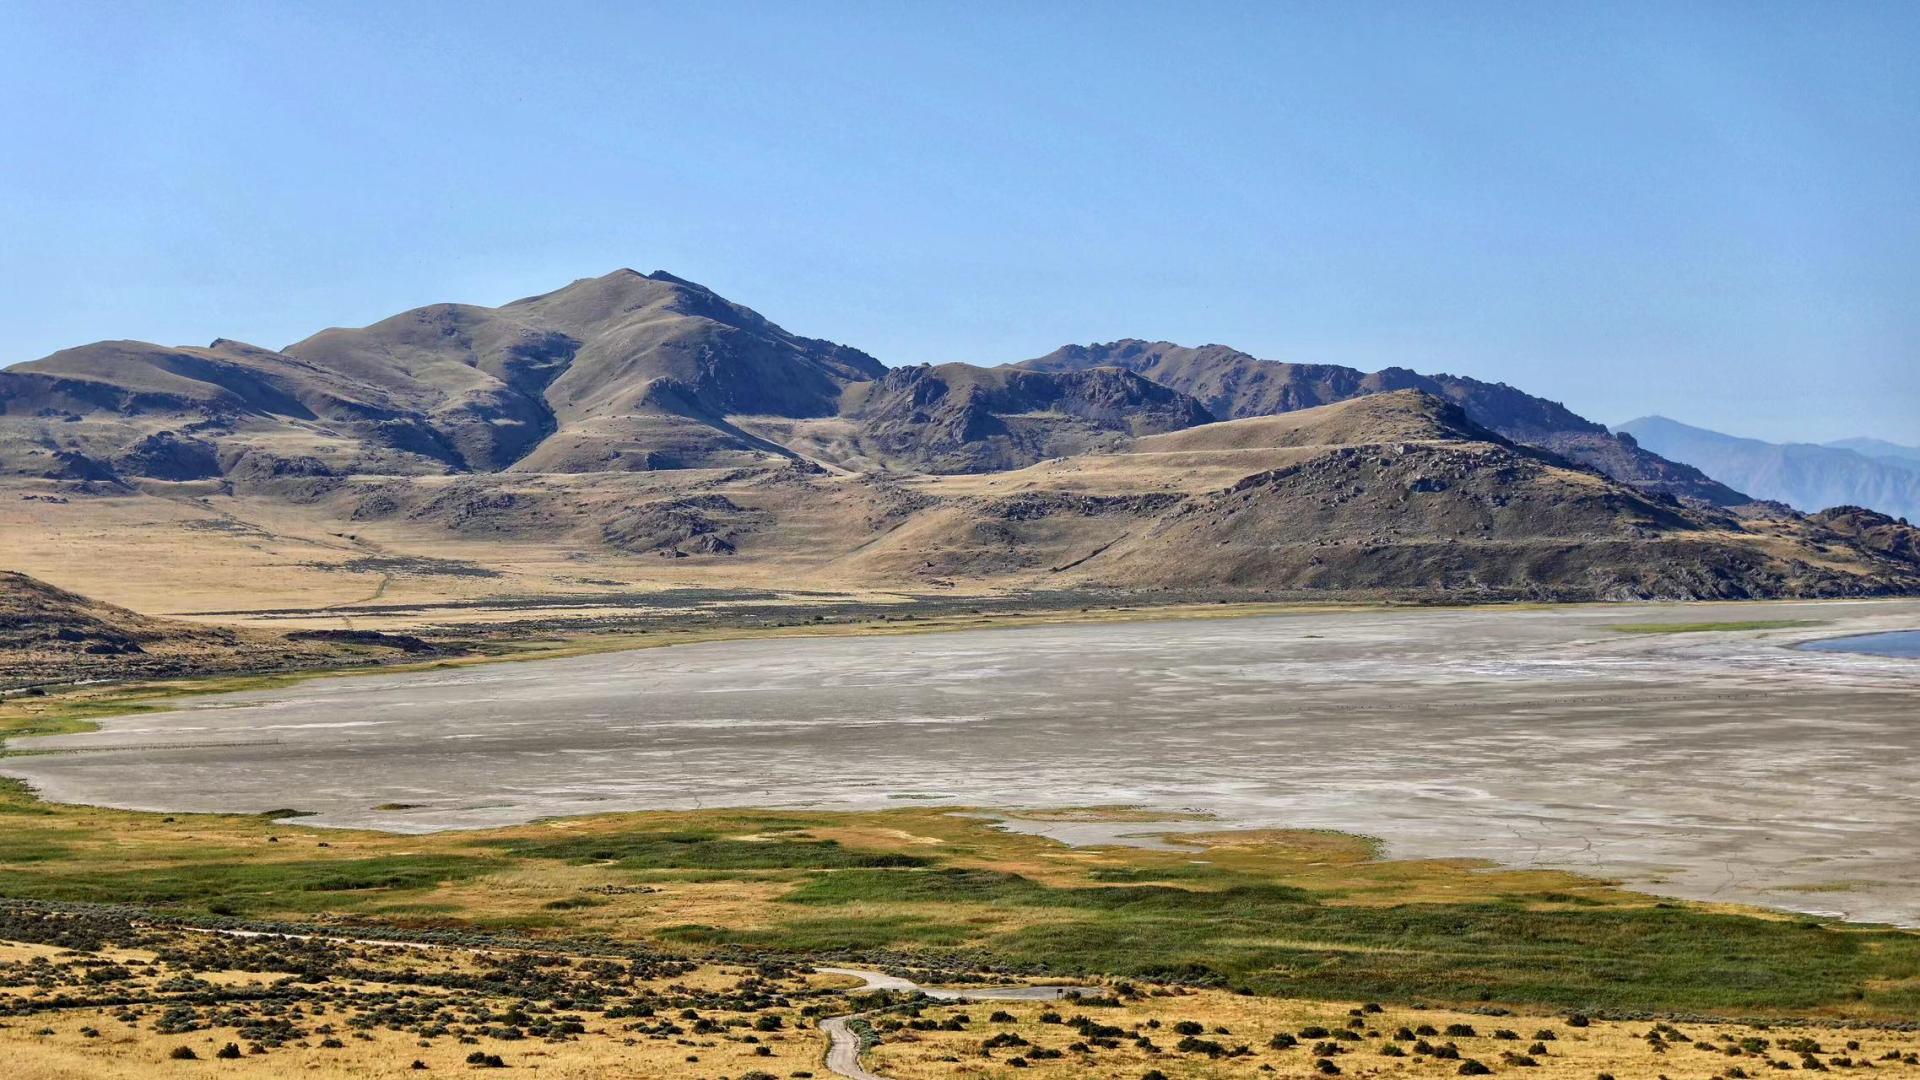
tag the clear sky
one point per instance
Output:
(1706, 210)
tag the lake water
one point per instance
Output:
(1728, 766)
(1902, 643)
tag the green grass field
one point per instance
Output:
(1711, 627)
(1292, 914)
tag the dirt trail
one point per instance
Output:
(843, 1044)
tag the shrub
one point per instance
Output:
(228, 1052)
(1005, 1038)
(1282, 1041)
(1191, 1045)
(1460, 1031)
(1470, 1067)
(183, 1053)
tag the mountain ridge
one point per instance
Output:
(1235, 384)
(642, 415)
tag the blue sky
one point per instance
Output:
(1705, 210)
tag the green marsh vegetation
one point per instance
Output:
(1712, 627)
(1296, 914)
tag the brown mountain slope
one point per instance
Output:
(961, 418)
(1233, 385)
(621, 373)
(1390, 494)
(1396, 416)
(50, 635)
(598, 375)
(617, 373)
(129, 407)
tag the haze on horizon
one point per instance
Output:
(1703, 212)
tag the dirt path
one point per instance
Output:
(843, 1048)
(843, 1044)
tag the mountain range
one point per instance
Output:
(1879, 449)
(1802, 475)
(642, 414)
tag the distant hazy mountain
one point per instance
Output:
(1905, 456)
(1802, 475)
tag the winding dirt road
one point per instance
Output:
(843, 1045)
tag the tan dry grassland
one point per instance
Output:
(97, 995)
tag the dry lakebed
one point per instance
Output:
(1689, 750)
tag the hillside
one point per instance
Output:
(637, 432)
(960, 418)
(1234, 385)
(621, 372)
(50, 635)
(1391, 494)
(1802, 475)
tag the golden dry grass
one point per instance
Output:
(1575, 1053)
